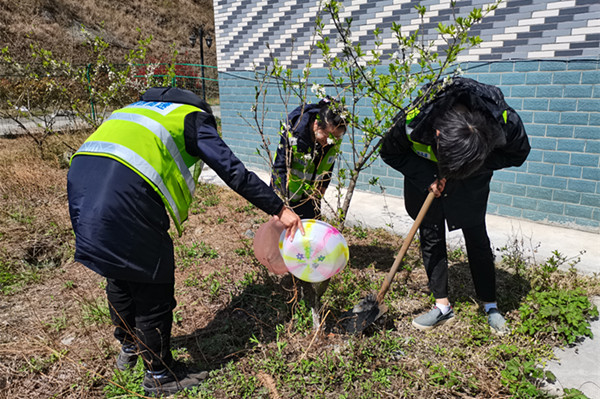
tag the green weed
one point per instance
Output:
(57, 323)
(21, 217)
(302, 317)
(191, 281)
(177, 317)
(13, 277)
(248, 209)
(126, 384)
(38, 364)
(456, 255)
(248, 279)
(96, 311)
(189, 255)
(359, 231)
(560, 313)
(518, 376)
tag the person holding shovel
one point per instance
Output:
(310, 143)
(122, 182)
(450, 145)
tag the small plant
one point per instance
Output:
(96, 311)
(177, 317)
(244, 251)
(248, 209)
(302, 317)
(188, 255)
(126, 383)
(191, 281)
(69, 285)
(41, 364)
(359, 231)
(514, 257)
(280, 332)
(215, 288)
(248, 279)
(58, 323)
(212, 284)
(456, 255)
(440, 375)
(211, 200)
(518, 376)
(562, 314)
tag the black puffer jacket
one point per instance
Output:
(464, 202)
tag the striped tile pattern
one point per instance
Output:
(518, 29)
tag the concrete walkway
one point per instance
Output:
(577, 366)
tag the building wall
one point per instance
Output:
(543, 55)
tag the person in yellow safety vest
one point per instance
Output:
(451, 145)
(133, 171)
(310, 143)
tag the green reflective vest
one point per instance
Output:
(148, 138)
(304, 175)
(422, 150)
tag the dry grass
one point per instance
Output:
(232, 317)
(55, 25)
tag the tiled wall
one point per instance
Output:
(554, 84)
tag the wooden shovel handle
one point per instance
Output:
(407, 240)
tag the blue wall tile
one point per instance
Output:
(559, 103)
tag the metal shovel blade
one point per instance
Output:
(371, 308)
(365, 313)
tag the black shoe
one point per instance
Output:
(171, 381)
(127, 358)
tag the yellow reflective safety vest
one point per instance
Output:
(148, 137)
(304, 174)
(422, 150)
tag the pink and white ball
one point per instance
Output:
(318, 255)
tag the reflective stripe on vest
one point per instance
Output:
(148, 137)
(302, 172)
(422, 150)
(135, 161)
(164, 136)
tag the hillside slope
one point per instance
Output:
(56, 26)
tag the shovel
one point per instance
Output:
(372, 307)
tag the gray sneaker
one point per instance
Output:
(497, 322)
(127, 358)
(168, 382)
(432, 319)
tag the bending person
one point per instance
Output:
(122, 182)
(451, 146)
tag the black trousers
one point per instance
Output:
(479, 252)
(143, 316)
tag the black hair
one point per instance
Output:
(331, 114)
(464, 141)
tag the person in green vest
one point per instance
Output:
(450, 145)
(138, 167)
(310, 143)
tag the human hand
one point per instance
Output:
(437, 187)
(291, 221)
